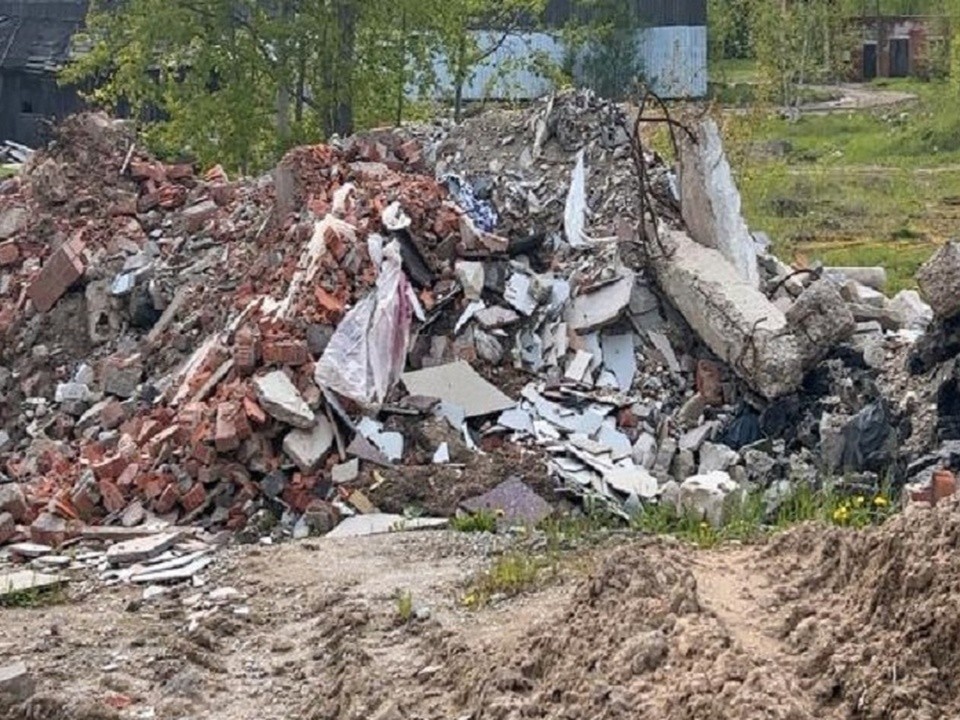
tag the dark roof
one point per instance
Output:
(35, 34)
(651, 13)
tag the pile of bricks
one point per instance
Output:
(165, 419)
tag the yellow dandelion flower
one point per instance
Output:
(880, 501)
(859, 500)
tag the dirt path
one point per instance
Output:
(801, 628)
(857, 97)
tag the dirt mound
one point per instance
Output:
(873, 615)
(631, 640)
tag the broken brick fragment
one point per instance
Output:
(113, 499)
(9, 253)
(709, 381)
(226, 436)
(110, 468)
(48, 529)
(193, 498)
(8, 528)
(285, 352)
(168, 499)
(61, 270)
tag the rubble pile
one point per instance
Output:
(272, 353)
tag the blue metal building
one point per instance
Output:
(671, 41)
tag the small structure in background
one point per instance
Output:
(902, 46)
(34, 44)
(669, 45)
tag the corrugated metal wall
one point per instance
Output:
(674, 61)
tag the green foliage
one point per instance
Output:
(603, 47)
(240, 81)
(512, 573)
(744, 522)
(480, 521)
(825, 504)
(404, 599)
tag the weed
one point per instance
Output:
(404, 605)
(827, 505)
(480, 521)
(35, 597)
(511, 574)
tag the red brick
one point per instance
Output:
(944, 485)
(48, 529)
(245, 351)
(226, 436)
(168, 499)
(13, 501)
(61, 270)
(9, 253)
(286, 352)
(146, 170)
(179, 172)
(204, 453)
(626, 418)
(110, 468)
(84, 502)
(111, 414)
(129, 475)
(253, 411)
(710, 381)
(223, 194)
(8, 528)
(113, 499)
(193, 498)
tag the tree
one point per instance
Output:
(469, 32)
(239, 81)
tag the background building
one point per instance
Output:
(34, 45)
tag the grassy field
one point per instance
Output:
(874, 186)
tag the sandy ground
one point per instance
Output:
(816, 623)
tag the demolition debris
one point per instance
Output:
(273, 355)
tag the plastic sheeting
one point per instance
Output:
(368, 350)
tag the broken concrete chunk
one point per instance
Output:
(307, 448)
(693, 439)
(458, 384)
(518, 293)
(28, 581)
(709, 497)
(855, 292)
(939, 280)
(279, 397)
(140, 549)
(496, 317)
(632, 480)
(736, 321)
(601, 306)
(645, 451)
(513, 501)
(710, 202)
(820, 319)
(345, 472)
(714, 456)
(913, 312)
(470, 275)
(874, 277)
(16, 684)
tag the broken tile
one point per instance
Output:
(307, 448)
(20, 581)
(140, 549)
(578, 366)
(632, 480)
(620, 358)
(513, 498)
(602, 306)
(380, 523)
(458, 384)
(517, 293)
(345, 472)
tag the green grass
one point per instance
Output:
(481, 521)
(512, 573)
(404, 599)
(734, 71)
(8, 171)
(876, 186)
